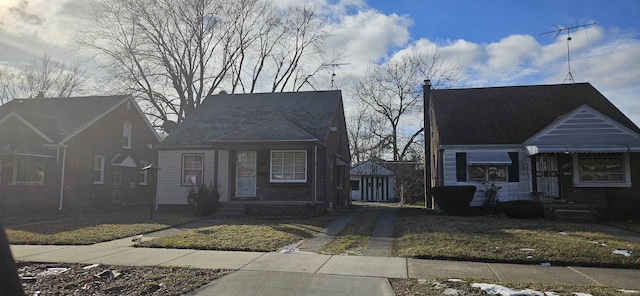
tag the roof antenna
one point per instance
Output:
(559, 30)
(333, 75)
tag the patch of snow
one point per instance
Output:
(422, 281)
(582, 294)
(287, 251)
(603, 244)
(529, 257)
(545, 264)
(452, 292)
(628, 291)
(550, 293)
(622, 252)
(54, 270)
(562, 233)
(504, 291)
(527, 249)
(455, 280)
(91, 266)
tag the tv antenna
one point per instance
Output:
(559, 30)
(333, 75)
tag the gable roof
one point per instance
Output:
(511, 115)
(299, 116)
(61, 118)
(370, 168)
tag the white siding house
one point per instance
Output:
(561, 143)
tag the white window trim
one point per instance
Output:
(306, 169)
(144, 173)
(182, 169)
(102, 162)
(625, 183)
(15, 176)
(130, 129)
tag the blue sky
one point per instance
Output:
(496, 42)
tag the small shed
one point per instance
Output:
(372, 182)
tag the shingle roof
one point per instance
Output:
(300, 116)
(510, 115)
(60, 117)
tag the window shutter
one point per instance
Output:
(514, 168)
(461, 167)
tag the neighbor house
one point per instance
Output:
(558, 143)
(60, 153)
(260, 150)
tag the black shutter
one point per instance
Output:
(461, 166)
(514, 168)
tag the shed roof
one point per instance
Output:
(513, 114)
(295, 116)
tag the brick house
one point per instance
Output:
(260, 150)
(65, 153)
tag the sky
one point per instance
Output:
(496, 42)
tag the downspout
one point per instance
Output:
(64, 161)
(426, 88)
(315, 174)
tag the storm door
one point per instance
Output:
(117, 187)
(246, 174)
(547, 175)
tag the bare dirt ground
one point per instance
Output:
(75, 279)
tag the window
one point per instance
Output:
(355, 185)
(126, 135)
(28, 170)
(487, 166)
(490, 172)
(289, 166)
(192, 169)
(601, 170)
(98, 169)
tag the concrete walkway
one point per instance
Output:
(307, 273)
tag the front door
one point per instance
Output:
(117, 187)
(246, 174)
(547, 175)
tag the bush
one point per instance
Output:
(203, 199)
(624, 204)
(453, 200)
(522, 209)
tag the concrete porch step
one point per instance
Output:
(575, 216)
(229, 212)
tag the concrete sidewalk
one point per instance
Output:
(324, 274)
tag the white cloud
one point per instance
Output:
(368, 36)
(511, 52)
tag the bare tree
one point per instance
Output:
(174, 53)
(367, 140)
(393, 91)
(43, 76)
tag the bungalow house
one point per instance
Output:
(59, 153)
(260, 150)
(387, 181)
(560, 143)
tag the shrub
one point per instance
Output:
(203, 199)
(453, 200)
(522, 209)
(624, 204)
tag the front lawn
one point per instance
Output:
(91, 227)
(422, 234)
(261, 235)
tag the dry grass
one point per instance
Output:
(496, 239)
(90, 228)
(245, 235)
